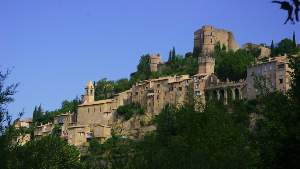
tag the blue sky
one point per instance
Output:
(56, 46)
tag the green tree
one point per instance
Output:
(6, 97)
(49, 152)
(128, 110)
(121, 85)
(233, 65)
(143, 70)
(186, 138)
(104, 89)
(286, 46)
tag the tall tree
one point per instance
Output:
(294, 39)
(6, 97)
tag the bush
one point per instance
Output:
(129, 110)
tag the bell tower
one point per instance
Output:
(89, 92)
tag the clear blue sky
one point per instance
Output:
(56, 46)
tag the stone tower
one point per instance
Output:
(155, 61)
(205, 40)
(206, 65)
(89, 92)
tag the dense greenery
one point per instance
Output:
(128, 110)
(233, 64)
(49, 153)
(285, 46)
(176, 65)
(40, 116)
(105, 89)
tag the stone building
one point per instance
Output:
(271, 75)
(207, 37)
(19, 125)
(95, 118)
(154, 94)
(78, 135)
(43, 130)
(63, 121)
(22, 123)
(155, 63)
(265, 51)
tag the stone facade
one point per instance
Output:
(64, 121)
(154, 94)
(155, 63)
(272, 74)
(265, 51)
(23, 138)
(43, 130)
(78, 135)
(207, 37)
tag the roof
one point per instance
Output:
(78, 126)
(97, 102)
(29, 120)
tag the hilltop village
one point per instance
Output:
(98, 119)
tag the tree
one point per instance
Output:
(121, 85)
(285, 46)
(58, 155)
(6, 97)
(294, 39)
(272, 49)
(233, 65)
(143, 70)
(104, 89)
(186, 138)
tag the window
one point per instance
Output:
(180, 88)
(91, 92)
(158, 85)
(88, 110)
(281, 66)
(94, 109)
(280, 81)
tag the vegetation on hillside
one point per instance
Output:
(285, 46)
(106, 89)
(233, 65)
(49, 153)
(128, 110)
(39, 116)
(176, 65)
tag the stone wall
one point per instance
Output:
(207, 37)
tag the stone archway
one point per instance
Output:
(237, 93)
